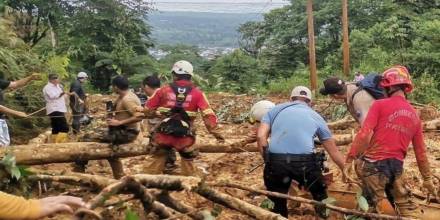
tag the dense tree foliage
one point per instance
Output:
(102, 37)
(382, 33)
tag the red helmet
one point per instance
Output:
(397, 75)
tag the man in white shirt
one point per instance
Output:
(56, 108)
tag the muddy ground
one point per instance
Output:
(232, 111)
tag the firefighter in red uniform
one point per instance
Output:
(381, 145)
(178, 105)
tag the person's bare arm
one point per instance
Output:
(333, 151)
(13, 112)
(262, 136)
(22, 82)
(133, 119)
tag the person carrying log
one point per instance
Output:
(290, 155)
(123, 123)
(56, 109)
(178, 105)
(358, 96)
(5, 139)
(380, 147)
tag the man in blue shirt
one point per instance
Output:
(290, 155)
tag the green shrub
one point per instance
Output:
(425, 90)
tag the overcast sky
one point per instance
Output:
(219, 6)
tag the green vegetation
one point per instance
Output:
(382, 33)
(110, 37)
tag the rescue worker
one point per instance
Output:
(290, 154)
(178, 105)
(150, 85)
(56, 108)
(123, 123)
(14, 207)
(78, 100)
(358, 101)
(5, 139)
(381, 146)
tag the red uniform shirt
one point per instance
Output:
(196, 101)
(393, 123)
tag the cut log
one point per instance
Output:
(130, 185)
(179, 183)
(38, 154)
(237, 204)
(313, 202)
(431, 125)
(341, 124)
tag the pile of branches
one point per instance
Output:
(153, 193)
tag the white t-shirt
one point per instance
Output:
(54, 103)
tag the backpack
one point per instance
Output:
(371, 84)
(178, 123)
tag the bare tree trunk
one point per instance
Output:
(38, 154)
(166, 182)
(237, 204)
(313, 202)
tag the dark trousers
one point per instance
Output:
(77, 113)
(58, 122)
(171, 156)
(278, 176)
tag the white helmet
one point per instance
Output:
(260, 108)
(301, 91)
(183, 67)
(82, 75)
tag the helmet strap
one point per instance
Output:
(390, 91)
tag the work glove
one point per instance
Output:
(429, 186)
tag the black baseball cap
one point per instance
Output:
(332, 85)
(53, 76)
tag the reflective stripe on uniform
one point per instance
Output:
(166, 110)
(208, 111)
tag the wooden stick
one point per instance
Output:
(35, 112)
(313, 202)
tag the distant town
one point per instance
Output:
(208, 53)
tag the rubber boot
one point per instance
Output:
(157, 164)
(117, 168)
(61, 137)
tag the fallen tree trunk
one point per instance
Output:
(129, 185)
(237, 204)
(38, 154)
(341, 124)
(313, 202)
(431, 125)
(176, 183)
